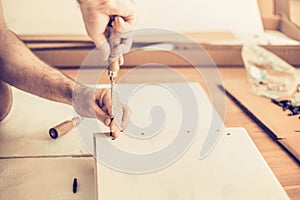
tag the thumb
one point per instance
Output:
(103, 46)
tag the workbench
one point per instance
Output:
(285, 168)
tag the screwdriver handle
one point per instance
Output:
(114, 41)
(114, 68)
(64, 127)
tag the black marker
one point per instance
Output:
(75, 185)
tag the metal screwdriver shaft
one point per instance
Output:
(113, 73)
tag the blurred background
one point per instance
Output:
(295, 11)
(64, 17)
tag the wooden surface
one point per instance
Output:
(25, 131)
(282, 127)
(284, 167)
(49, 178)
(234, 170)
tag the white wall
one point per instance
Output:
(63, 16)
(43, 16)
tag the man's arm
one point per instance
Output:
(5, 89)
(21, 68)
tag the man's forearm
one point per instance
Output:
(21, 68)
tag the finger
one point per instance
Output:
(113, 36)
(102, 116)
(122, 25)
(118, 112)
(123, 48)
(125, 117)
(99, 40)
(111, 123)
(106, 100)
(125, 45)
(103, 106)
(114, 40)
(104, 49)
(121, 60)
(105, 118)
(114, 129)
(95, 24)
(131, 20)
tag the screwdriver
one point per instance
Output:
(113, 67)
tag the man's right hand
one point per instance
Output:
(96, 16)
(97, 103)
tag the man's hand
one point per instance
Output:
(97, 14)
(96, 103)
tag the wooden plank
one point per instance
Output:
(73, 55)
(47, 178)
(225, 163)
(25, 131)
(234, 170)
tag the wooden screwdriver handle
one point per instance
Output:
(64, 127)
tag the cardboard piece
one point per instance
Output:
(292, 144)
(235, 170)
(47, 178)
(281, 128)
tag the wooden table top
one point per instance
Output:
(284, 167)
